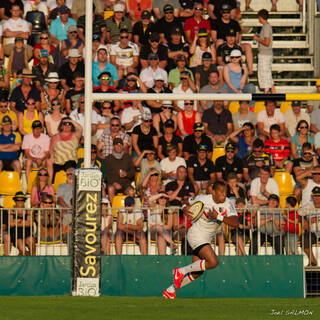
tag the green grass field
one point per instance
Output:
(78, 308)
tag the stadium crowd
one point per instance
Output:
(158, 152)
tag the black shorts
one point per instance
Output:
(7, 164)
(306, 239)
(195, 252)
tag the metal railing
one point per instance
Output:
(145, 230)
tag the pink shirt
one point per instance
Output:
(37, 146)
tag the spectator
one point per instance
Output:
(176, 47)
(105, 142)
(213, 86)
(169, 138)
(147, 163)
(4, 79)
(144, 136)
(124, 55)
(257, 159)
(96, 42)
(293, 116)
(217, 122)
(102, 65)
(154, 46)
(263, 187)
(201, 171)
(43, 44)
(166, 114)
(150, 185)
(279, 149)
(170, 165)
(59, 26)
(28, 116)
(158, 7)
(196, 23)
(120, 171)
(5, 111)
(156, 106)
(187, 118)
(266, 118)
(265, 55)
(117, 22)
(142, 29)
(54, 10)
(192, 142)
(67, 70)
(43, 69)
(215, 8)
(229, 163)
(105, 117)
(236, 76)
(167, 24)
(244, 115)
(36, 5)
(244, 138)
(64, 145)
(6, 6)
(10, 144)
(202, 71)
(36, 149)
(175, 74)
(18, 58)
(130, 226)
(53, 118)
(200, 45)
(42, 185)
(234, 190)
(22, 93)
(310, 214)
(72, 42)
(148, 75)
(137, 9)
(73, 95)
(299, 139)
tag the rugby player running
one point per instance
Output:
(217, 209)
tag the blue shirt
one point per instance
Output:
(12, 138)
(108, 68)
(59, 30)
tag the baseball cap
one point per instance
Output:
(119, 7)
(153, 56)
(105, 200)
(19, 196)
(315, 191)
(18, 39)
(231, 33)
(235, 53)
(64, 9)
(168, 8)
(203, 147)
(185, 73)
(226, 7)
(275, 197)
(6, 120)
(181, 57)
(155, 36)
(73, 53)
(36, 124)
(44, 53)
(207, 56)
(198, 126)
(158, 76)
(203, 32)
(176, 31)
(171, 147)
(145, 14)
(230, 146)
(169, 123)
(96, 37)
(117, 141)
(296, 103)
(146, 116)
(72, 28)
(129, 201)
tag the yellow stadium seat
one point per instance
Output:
(59, 179)
(9, 183)
(284, 181)
(8, 202)
(118, 202)
(80, 154)
(218, 151)
(259, 106)
(234, 106)
(285, 106)
(137, 177)
(32, 178)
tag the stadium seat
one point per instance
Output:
(8, 202)
(10, 183)
(137, 177)
(32, 178)
(285, 183)
(80, 153)
(59, 179)
(118, 202)
(218, 151)
(285, 106)
(234, 106)
(259, 106)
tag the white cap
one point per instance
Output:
(105, 200)
(158, 76)
(74, 53)
(102, 47)
(235, 53)
(119, 7)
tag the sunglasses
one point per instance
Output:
(230, 151)
(183, 78)
(115, 125)
(168, 12)
(305, 127)
(198, 130)
(199, 9)
(154, 40)
(165, 107)
(31, 103)
(47, 202)
(150, 120)
(67, 123)
(56, 104)
(189, 104)
(307, 154)
(20, 200)
(105, 108)
(124, 37)
(234, 57)
(225, 12)
(151, 154)
(43, 174)
(73, 32)
(81, 102)
(155, 175)
(162, 198)
(105, 78)
(44, 38)
(133, 80)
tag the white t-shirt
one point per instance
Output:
(37, 146)
(16, 25)
(124, 56)
(167, 166)
(277, 118)
(306, 192)
(129, 113)
(180, 91)
(271, 187)
(291, 121)
(147, 76)
(79, 117)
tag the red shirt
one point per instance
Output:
(192, 25)
(279, 150)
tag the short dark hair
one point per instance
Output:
(264, 14)
(46, 196)
(248, 124)
(265, 168)
(307, 146)
(240, 200)
(257, 143)
(275, 127)
(231, 176)
(300, 122)
(271, 101)
(218, 184)
(292, 201)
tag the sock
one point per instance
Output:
(188, 278)
(171, 289)
(198, 265)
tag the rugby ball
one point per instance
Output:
(196, 210)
